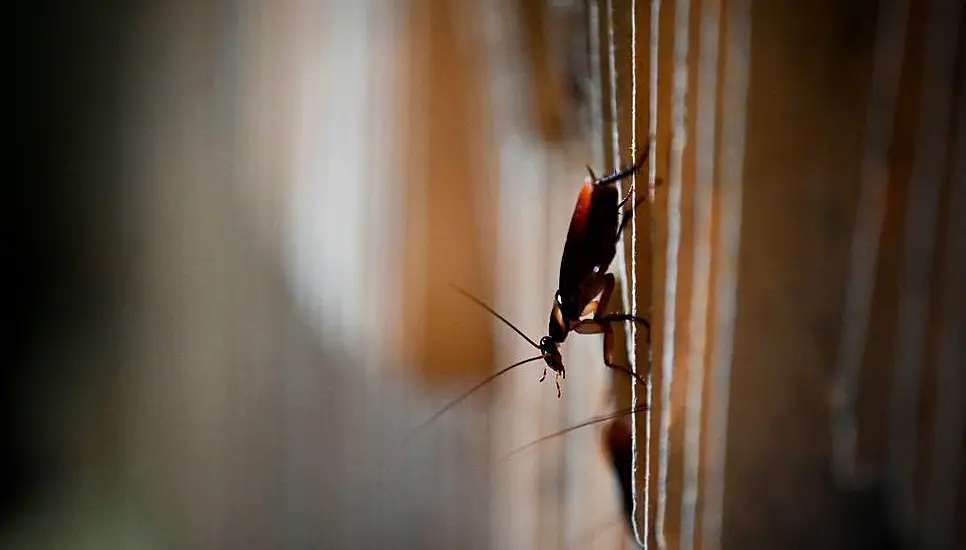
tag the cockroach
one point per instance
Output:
(592, 238)
(588, 252)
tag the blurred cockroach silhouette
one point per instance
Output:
(618, 448)
(595, 230)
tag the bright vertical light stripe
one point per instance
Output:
(883, 94)
(383, 200)
(929, 170)
(620, 262)
(734, 105)
(332, 145)
(628, 290)
(644, 516)
(325, 215)
(640, 532)
(701, 272)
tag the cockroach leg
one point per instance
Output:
(626, 172)
(626, 217)
(626, 197)
(623, 317)
(593, 176)
(601, 318)
(593, 326)
(607, 289)
(557, 375)
(601, 324)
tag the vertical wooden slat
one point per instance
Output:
(701, 272)
(621, 72)
(918, 247)
(647, 60)
(661, 70)
(883, 94)
(737, 64)
(945, 467)
(670, 316)
(595, 86)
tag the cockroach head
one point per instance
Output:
(551, 354)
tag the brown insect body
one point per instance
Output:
(589, 249)
(595, 229)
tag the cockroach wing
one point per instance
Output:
(591, 240)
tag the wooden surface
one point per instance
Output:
(264, 207)
(804, 117)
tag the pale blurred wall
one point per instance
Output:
(220, 408)
(269, 307)
(195, 399)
